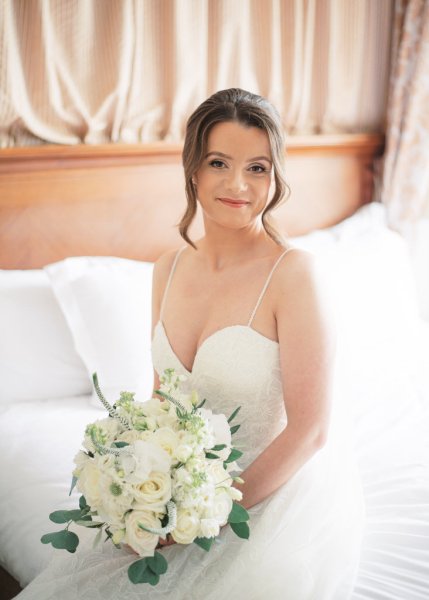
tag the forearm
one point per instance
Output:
(288, 452)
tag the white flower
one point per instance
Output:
(182, 476)
(142, 542)
(167, 439)
(235, 493)
(151, 423)
(220, 507)
(187, 528)
(141, 459)
(80, 460)
(219, 475)
(221, 431)
(109, 428)
(168, 419)
(88, 483)
(131, 436)
(209, 528)
(154, 493)
(154, 407)
(115, 501)
(183, 452)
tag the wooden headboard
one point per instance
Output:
(125, 200)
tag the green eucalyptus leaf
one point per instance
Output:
(82, 503)
(73, 483)
(241, 529)
(234, 414)
(63, 516)
(136, 570)
(238, 514)
(211, 455)
(157, 563)
(204, 543)
(85, 523)
(234, 429)
(234, 455)
(119, 444)
(62, 540)
(218, 448)
(150, 577)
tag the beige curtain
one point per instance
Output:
(95, 71)
(405, 183)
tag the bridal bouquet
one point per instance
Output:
(155, 469)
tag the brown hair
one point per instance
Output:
(250, 110)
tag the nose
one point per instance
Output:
(236, 181)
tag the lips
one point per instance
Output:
(235, 203)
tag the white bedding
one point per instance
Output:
(383, 371)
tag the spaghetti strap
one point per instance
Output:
(173, 268)
(264, 289)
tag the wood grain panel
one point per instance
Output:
(125, 200)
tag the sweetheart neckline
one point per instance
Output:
(214, 334)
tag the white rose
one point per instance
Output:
(142, 542)
(88, 483)
(187, 528)
(154, 493)
(167, 439)
(141, 459)
(221, 506)
(209, 528)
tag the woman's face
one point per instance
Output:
(236, 178)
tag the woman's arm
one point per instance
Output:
(307, 338)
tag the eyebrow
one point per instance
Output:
(230, 157)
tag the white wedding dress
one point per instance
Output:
(304, 539)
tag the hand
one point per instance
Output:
(168, 541)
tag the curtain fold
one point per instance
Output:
(85, 71)
(405, 166)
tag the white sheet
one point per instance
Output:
(38, 441)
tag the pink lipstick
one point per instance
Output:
(233, 203)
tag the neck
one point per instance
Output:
(222, 247)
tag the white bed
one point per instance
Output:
(86, 314)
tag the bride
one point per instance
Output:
(247, 319)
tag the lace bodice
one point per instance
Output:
(235, 366)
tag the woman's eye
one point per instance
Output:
(260, 168)
(216, 163)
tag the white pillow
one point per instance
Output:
(373, 290)
(37, 356)
(107, 304)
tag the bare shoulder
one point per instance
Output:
(301, 284)
(297, 264)
(162, 268)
